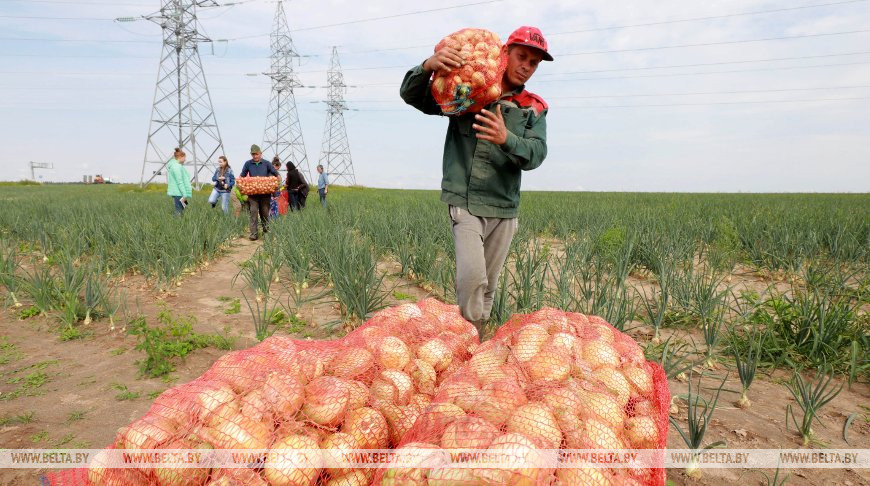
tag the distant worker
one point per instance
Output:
(258, 203)
(178, 181)
(297, 187)
(224, 181)
(322, 185)
(276, 196)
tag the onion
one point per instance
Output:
(643, 407)
(368, 428)
(334, 448)
(601, 435)
(486, 361)
(436, 353)
(384, 390)
(551, 365)
(353, 478)
(640, 378)
(421, 400)
(537, 423)
(562, 398)
(352, 363)
(600, 353)
(312, 363)
(450, 477)
(468, 433)
(498, 401)
(571, 428)
(175, 476)
(615, 382)
(241, 433)
(563, 340)
(402, 382)
(441, 414)
(326, 400)
(227, 411)
(357, 395)
(401, 419)
(284, 392)
(101, 475)
(255, 406)
(147, 433)
(642, 431)
(424, 376)
(394, 353)
(212, 398)
(417, 464)
(602, 405)
(518, 445)
(577, 474)
(529, 341)
(286, 473)
(236, 477)
(464, 393)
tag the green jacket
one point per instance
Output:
(479, 176)
(178, 180)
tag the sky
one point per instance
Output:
(682, 96)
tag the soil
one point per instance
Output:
(81, 402)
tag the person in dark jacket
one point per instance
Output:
(484, 157)
(224, 181)
(258, 203)
(296, 186)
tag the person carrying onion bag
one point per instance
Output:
(485, 154)
(258, 204)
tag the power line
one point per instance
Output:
(719, 63)
(32, 17)
(711, 17)
(665, 75)
(823, 100)
(371, 19)
(719, 43)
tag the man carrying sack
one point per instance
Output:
(258, 203)
(484, 156)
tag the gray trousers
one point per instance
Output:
(258, 206)
(481, 249)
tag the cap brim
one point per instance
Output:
(547, 56)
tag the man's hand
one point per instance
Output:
(490, 126)
(325, 190)
(445, 60)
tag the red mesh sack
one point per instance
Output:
(477, 83)
(364, 391)
(250, 186)
(547, 380)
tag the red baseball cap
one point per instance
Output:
(531, 37)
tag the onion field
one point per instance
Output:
(754, 305)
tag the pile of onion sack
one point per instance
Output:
(414, 376)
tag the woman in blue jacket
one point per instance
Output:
(224, 180)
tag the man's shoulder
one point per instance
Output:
(527, 99)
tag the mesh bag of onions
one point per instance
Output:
(364, 391)
(477, 83)
(547, 381)
(250, 186)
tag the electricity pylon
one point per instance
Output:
(182, 114)
(335, 151)
(283, 133)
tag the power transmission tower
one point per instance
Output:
(182, 114)
(283, 133)
(39, 165)
(335, 151)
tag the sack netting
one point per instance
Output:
(413, 375)
(547, 380)
(477, 82)
(251, 186)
